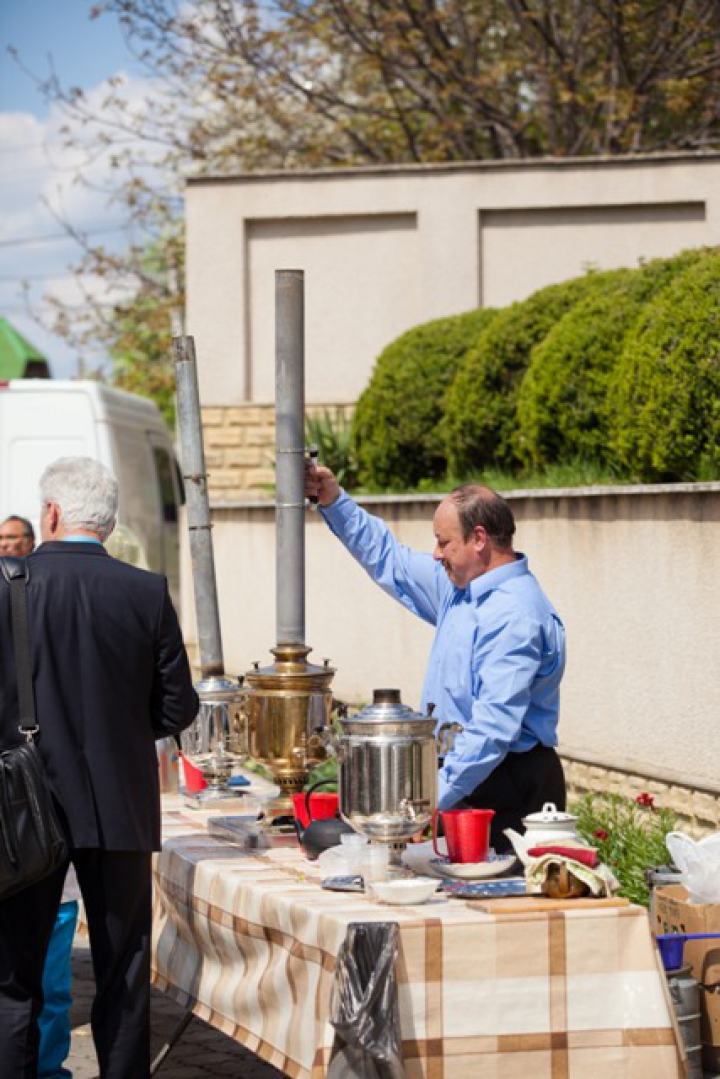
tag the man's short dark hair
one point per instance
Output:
(27, 528)
(477, 505)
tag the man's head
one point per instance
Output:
(79, 497)
(474, 527)
(17, 537)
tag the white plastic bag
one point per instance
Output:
(699, 864)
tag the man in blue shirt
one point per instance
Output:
(499, 649)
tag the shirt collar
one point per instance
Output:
(80, 539)
(494, 578)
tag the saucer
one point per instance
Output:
(495, 866)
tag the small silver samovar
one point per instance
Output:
(387, 771)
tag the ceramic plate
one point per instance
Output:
(488, 889)
(495, 866)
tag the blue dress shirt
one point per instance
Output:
(498, 654)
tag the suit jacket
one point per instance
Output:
(111, 675)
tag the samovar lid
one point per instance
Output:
(220, 689)
(291, 668)
(386, 707)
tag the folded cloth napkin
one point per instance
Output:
(600, 879)
(587, 855)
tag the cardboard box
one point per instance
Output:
(674, 913)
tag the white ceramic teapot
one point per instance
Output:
(550, 825)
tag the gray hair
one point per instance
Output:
(85, 491)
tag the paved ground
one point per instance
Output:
(202, 1051)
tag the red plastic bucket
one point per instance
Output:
(322, 804)
(194, 780)
(467, 833)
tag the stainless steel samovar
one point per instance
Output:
(387, 774)
(216, 741)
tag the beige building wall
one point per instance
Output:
(634, 573)
(384, 249)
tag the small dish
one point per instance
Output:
(495, 866)
(403, 892)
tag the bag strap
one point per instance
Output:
(14, 570)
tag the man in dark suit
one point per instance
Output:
(111, 675)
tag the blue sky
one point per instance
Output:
(84, 52)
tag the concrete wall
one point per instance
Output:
(384, 249)
(634, 572)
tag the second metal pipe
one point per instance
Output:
(290, 455)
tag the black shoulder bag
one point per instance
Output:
(32, 844)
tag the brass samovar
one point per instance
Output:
(289, 701)
(288, 709)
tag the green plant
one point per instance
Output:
(395, 429)
(330, 432)
(665, 395)
(326, 771)
(479, 428)
(563, 404)
(629, 835)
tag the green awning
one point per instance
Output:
(18, 358)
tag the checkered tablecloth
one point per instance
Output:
(250, 943)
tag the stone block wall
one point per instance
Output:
(698, 810)
(240, 449)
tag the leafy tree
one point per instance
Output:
(135, 332)
(347, 81)
(241, 86)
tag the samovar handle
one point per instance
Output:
(445, 736)
(409, 806)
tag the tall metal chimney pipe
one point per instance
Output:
(198, 508)
(290, 455)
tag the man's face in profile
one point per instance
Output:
(14, 538)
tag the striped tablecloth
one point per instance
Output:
(250, 943)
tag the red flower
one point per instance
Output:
(601, 834)
(645, 799)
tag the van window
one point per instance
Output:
(168, 497)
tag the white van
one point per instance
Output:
(43, 419)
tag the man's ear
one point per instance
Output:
(480, 537)
(54, 517)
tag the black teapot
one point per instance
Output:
(319, 835)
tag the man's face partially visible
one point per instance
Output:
(14, 540)
(462, 559)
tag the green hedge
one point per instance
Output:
(665, 394)
(480, 425)
(395, 430)
(562, 404)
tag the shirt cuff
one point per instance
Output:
(338, 510)
(447, 797)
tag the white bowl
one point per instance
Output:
(402, 892)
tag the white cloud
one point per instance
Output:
(38, 173)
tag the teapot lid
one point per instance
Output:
(386, 707)
(549, 814)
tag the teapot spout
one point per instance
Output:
(520, 844)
